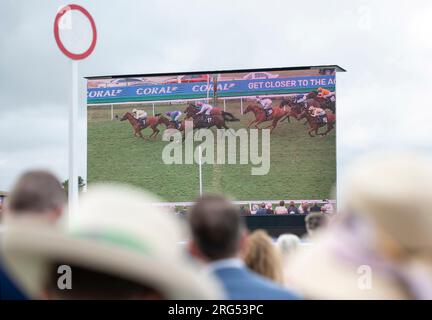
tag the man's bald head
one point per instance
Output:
(217, 227)
(36, 193)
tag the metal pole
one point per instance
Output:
(153, 109)
(224, 105)
(73, 117)
(241, 105)
(200, 170)
(112, 112)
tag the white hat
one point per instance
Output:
(117, 230)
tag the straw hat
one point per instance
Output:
(116, 230)
(394, 190)
(391, 194)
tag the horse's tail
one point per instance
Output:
(228, 116)
(157, 114)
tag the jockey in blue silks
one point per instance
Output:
(175, 116)
(300, 98)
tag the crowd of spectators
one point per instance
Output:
(303, 207)
(119, 245)
(267, 208)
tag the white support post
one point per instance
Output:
(153, 109)
(200, 170)
(224, 105)
(112, 112)
(241, 105)
(73, 118)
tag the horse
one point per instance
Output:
(200, 121)
(324, 102)
(260, 116)
(314, 125)
(297, 108)
(193, 109)
(152, 122)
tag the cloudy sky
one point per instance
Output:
(383, 99)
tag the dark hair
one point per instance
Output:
(315, 221)
(36, 191)
(282, 203)
(216, 226)
(91, 284)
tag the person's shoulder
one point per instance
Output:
(244, 284)
(268, 289)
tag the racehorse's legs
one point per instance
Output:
(140, 134)
(273, 125)
(250, 123)
(259, 121)
(155, 132)
(311, 129)
(286, 117)
(329, 128)
(136, 131)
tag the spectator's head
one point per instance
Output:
(263, 205)
(282, 203)
(262, 257)
(292, 203)
(269, 206)
(118, 246)
(288, 244)
(314, 221)
(305, 205)
(36, 194)
(218, 230)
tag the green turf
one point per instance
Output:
(301, 167)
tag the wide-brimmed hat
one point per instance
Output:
(393, 189)
(116, 230)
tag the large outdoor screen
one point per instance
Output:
(255, 136)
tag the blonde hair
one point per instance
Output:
(262, 257)
(288, 244)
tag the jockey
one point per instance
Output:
(175, 116)
(140, 115)
(319, 113)
(205, 109)
(300, 98)
(324, 93)
(266, 104)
